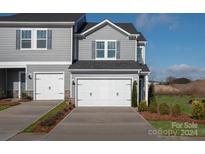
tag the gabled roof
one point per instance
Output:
(128, 27)
(93, 27)
(102, 65)
(42, 17)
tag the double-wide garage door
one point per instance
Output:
(49, 86)
(104, 92)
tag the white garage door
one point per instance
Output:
(104, 92)
(49, 86)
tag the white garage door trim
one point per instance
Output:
(34, 81)
(100, 78)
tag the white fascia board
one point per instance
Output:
(25, 63)
(33, 22)
(109, 22)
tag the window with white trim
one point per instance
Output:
(106, 49)
(26, 39)
(100, 49)
(41, 39)
(33, 39)
(139, 55)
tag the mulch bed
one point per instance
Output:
(12, 101)
(181, 118)
(47, 125)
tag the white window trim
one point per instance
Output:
(106, 50)
(33, 39)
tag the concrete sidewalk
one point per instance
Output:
(103, 124)
(15, 119)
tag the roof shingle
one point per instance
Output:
(42, 17)
(100, 64)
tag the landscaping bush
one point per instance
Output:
(198, 111)
(153, 107)
(151, 94)
(176, 110)
(164, 109)
(48, 122)
(143, 106)
(134, 94)
(203, 102)
(2, 93)
(24, 95)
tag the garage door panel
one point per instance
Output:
(49, 86)
(101, 92)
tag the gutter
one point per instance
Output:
(109, 70)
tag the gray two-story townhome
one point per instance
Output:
(58, 56)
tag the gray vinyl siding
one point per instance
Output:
(127, 46)
(47, 68)
(61, 47)
(91, 76)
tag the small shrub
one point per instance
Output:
(164, 109)
(142, 107)
(176, 110)
(59, 115)
(48, 122)
(153, 107)
(151, 96)
(24, 95)
(198, 111)
(2, 93)
(203, 102)
(192, 100)
(66, 109)
(134, 94)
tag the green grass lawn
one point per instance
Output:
(48, 115)
(168, 128)
(3, 107)
(181, 100)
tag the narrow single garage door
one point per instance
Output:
(104, 92)
(49, 86)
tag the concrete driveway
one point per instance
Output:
(104, 123)
(15, 119)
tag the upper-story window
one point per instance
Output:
(33, 39)
(26, 39)
(106, 49)
(139, 55)
(42, 39)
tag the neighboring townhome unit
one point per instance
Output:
(35, 53)
(58, 56)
